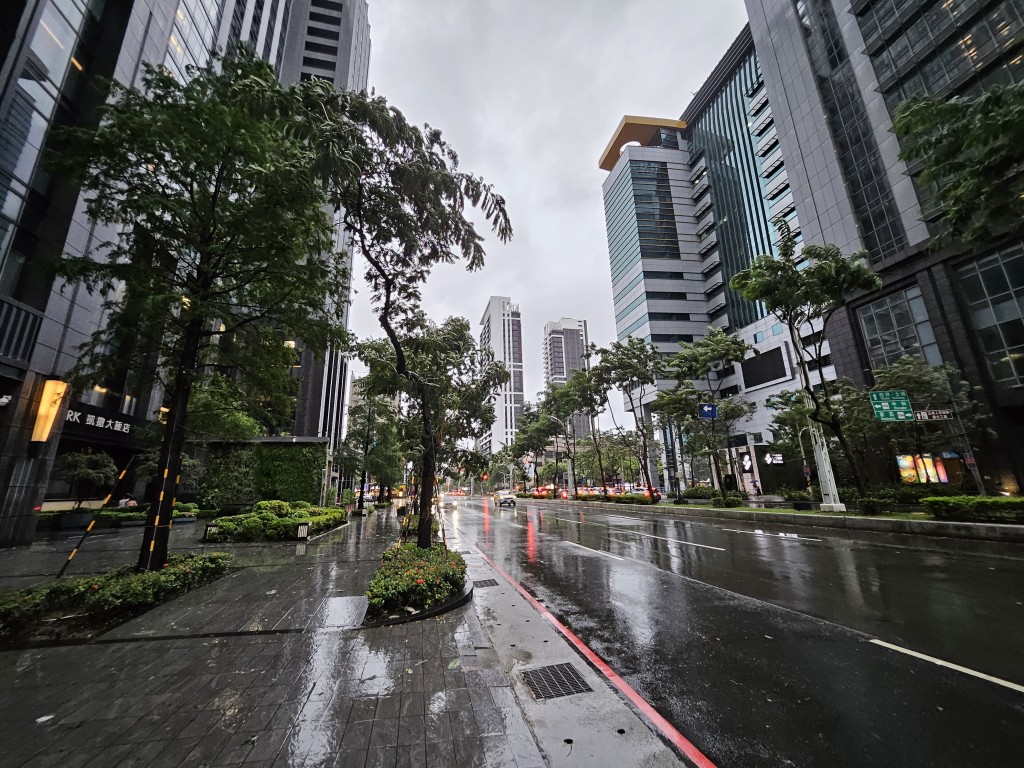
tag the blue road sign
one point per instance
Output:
(707, 411)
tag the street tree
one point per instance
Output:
(223, 249)
(700, 369)
(585, 394)
(406, 206)
(85, 473)
(371, 446)
(558, 402)
(533, 433)
(804, 291)
(633, 367)
(451, 392)
(971, 151)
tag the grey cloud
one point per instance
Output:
(528, 93)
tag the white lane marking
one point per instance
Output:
(950, 665)
(623, 532)
(598, 551)
(759, 532)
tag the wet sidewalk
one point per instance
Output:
(266, 667)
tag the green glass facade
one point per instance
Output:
(724, 134)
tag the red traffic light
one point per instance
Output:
(485, 476)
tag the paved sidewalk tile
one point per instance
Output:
(287, 682)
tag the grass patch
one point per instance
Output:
(86, 606)
(414, 578)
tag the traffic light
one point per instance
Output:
(485, 477)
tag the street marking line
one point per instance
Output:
(624, 532)
(666, 728)
(598, 551)
(949, 665)
(790, 536)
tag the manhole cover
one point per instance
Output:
(485, 583)
(554, 681)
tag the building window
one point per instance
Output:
(993, 287)
(897, 325)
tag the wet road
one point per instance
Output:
(762, 648)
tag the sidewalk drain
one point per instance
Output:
(485, 583)
(555, 681)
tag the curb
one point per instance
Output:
(1013, 534)
(456, 602)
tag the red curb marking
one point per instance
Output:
(683, 744)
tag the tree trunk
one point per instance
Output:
(424, 534)
(858, 478)
(600, 462)
(641, 427)
(153, 553)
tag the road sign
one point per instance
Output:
(807, 471)
(969, 459)
(936, 414)
(891, 405)
(707, 411)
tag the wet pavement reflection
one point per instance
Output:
(754, 641)
(265, 667)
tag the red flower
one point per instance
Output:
(95, 586)
(419, 581)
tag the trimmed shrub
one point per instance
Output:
(96, 602)
(874, 505)
(700, 492)
(632, 498)
(410, 577)
(976, 509)
(794, 494)
(269, 524)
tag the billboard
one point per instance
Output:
(921, 468)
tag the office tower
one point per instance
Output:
(328, 40)
(836, 71)
(688, 204)
(502, 334)
(565, 350)
(52, 54)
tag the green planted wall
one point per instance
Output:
(240, 474)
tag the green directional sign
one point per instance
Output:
(892, 405)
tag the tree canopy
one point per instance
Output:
(970, 151)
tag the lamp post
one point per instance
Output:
(572, 469)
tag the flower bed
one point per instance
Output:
(83, 607)
(414, 578)
(275, 521)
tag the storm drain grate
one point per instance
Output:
(554, 681)
(465, 552)
(485, 583)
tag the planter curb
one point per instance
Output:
(456, 602)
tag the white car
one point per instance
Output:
(505, 498)
(447, 500)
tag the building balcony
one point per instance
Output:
(783, 206)
(758, 104)
(19, 326)
(700, 188)
(698, 167)
(713, 262)
(764, 124)
(768, 142)
(772, 163)
(780, 186)
(703, 207)
(709, 242)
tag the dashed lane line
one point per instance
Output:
(789, 536)
(949, 665)
(622, 532)
(598, 551)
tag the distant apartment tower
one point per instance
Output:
(502, 334)
(565, 351)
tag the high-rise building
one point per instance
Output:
(688, 204)
(836, 71)
(52, 55)
(566, 350)
(328, 40)
(501, 333)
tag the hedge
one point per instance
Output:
(410, 577)
(700, 492)
(275, 521)
(99, 601)
(976, 509)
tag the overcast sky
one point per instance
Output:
(528, 92)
